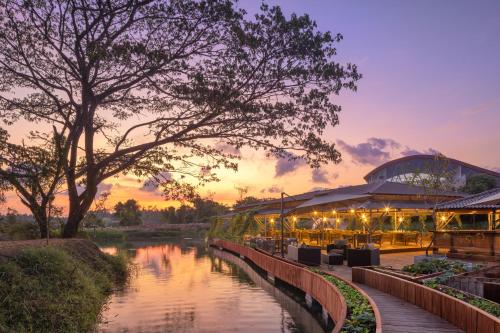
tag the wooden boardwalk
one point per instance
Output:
(399, 316)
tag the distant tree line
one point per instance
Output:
(200, 211)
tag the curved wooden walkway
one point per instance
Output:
(397, 315)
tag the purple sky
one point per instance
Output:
(431, 73)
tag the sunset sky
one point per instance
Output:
(431, 82)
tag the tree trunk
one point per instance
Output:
(42, 225)
(71, 227)
(76, 213)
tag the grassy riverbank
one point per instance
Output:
(58, 288)
(105, 235)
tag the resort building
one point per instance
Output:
(386, 211)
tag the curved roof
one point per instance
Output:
(430, 157)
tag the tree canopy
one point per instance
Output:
(155, 88)
(479, 183)
(201, 211)
(128, 212)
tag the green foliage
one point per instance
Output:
(247, 201)
(52, 290)
(105, 235)
(486, 305)
(200, 212)
(240, 224)
(129, 212)
(481, 303)
(479, 183)
(91, 220)
(360, 317)
(20, 230)
(434, 266)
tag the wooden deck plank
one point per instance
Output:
(398, 315)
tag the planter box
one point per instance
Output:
(459, 313)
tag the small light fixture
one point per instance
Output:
(315, 213)
(324, 219)
(334, 212)
(294, 219)
(352, 211)
(272, 220)
(386, 209)
(400, 219)
(443, 218)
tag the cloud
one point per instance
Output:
(152, 183)
(475, 110)
(496, 169)
(272, 189)
(227, 148)
(370, 152)
(383, 143)
(409, 152)
(376, 151)
(287, 165)
(318, 188)
(103, 187)
(322, 176)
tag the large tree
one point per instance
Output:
(152, 87)
(479, 183)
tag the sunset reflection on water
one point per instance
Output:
(183, 288)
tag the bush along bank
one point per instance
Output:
(57, 289)
(360, 316)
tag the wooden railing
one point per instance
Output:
(461, 314)
(311, 283)
(300, 277)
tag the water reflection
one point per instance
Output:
(180, 287)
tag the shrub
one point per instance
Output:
(20, 230)
(436, 265)
(50, 290)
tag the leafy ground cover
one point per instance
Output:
(438, 265)
(360, 316)
(481, 303)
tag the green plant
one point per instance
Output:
(436, 265)
(481, 303)
(360, 317)
(240, 224)
(488, 306)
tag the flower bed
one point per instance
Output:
(360, 317)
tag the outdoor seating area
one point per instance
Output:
(353, 239)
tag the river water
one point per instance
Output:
(181, 286)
